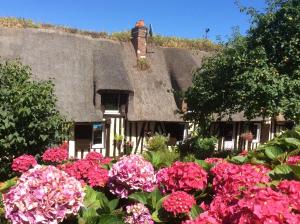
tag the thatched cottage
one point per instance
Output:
(112, 88)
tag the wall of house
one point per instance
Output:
(134, 132)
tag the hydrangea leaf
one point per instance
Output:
(140, 197)
(195, 211)
(272, 152)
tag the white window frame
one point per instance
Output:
(98, 146)
(114, 112)
(258, 132)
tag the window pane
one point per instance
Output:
(253, 130)
(97, 134)
(110, 101)
(227, 131)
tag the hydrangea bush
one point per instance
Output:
(44, 194)
(258, 187)
(129, 174)
(23, 163)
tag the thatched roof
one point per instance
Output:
(238, 117)
(109, 70)
(81, 65)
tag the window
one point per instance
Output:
(226, 131)
(98, 135)
(112, 102)
(255, 130)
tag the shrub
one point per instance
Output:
(43, 195)
(142, 64)
(29, 120)
(157, 143)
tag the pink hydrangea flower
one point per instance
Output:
(232, 178)
(263, 205)
(43, 195)
(98, 158)
(182, 176)
(293, 160)
(292, 189)
(87, 171)
(23, 163)
(129, 174)
(204, 218)
(55, 155)
(214, 160)
(179, 202)
(138, 214)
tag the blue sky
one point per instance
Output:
(187, 18)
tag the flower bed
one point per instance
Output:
(241, 189)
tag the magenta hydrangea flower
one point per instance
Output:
(23, 163)
(43, 195)
(138, 214)
(232, 178)
(98, 158)
(179, 202)
(263, 205)
(182, 176)
(131, 173)
(204, 218)
(87, 171)
(293, 160)
(55, 155)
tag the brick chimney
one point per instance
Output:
(139, 39)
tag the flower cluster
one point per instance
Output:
(293, 160)
(292, 189)
(263, 205)
(129, 174)
(214, 160)
(138, 214)
(98, 158)
(23, 163)
(55, 155)
(204, 218)
(87, 171)
(231, 178)
(182, 176)
(43, 195)
(179, 202)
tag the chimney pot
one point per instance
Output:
(139, 39)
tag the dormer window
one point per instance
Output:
(114, 103)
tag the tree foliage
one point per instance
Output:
(258, 74)
(29, 120)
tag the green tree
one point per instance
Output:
(258, 74)
(29, 120)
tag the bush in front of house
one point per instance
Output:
(261, 186)
(29, 120)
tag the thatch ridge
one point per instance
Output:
(163, 41)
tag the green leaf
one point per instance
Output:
(272, 152)
(155, 196)
(203, 164)
(293, 141)
(296, 171)
(195, 211)
(113, 204)
(140, 197)
(94, 199)
(89, 216)
(283, 169)
(155, 217)
(110, 219)
(238, 159)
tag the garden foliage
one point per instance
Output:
(259, 187)
(29, 120)
(258, 74)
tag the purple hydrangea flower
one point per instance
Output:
(129, 174)
(138, 214)
(43, 194)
